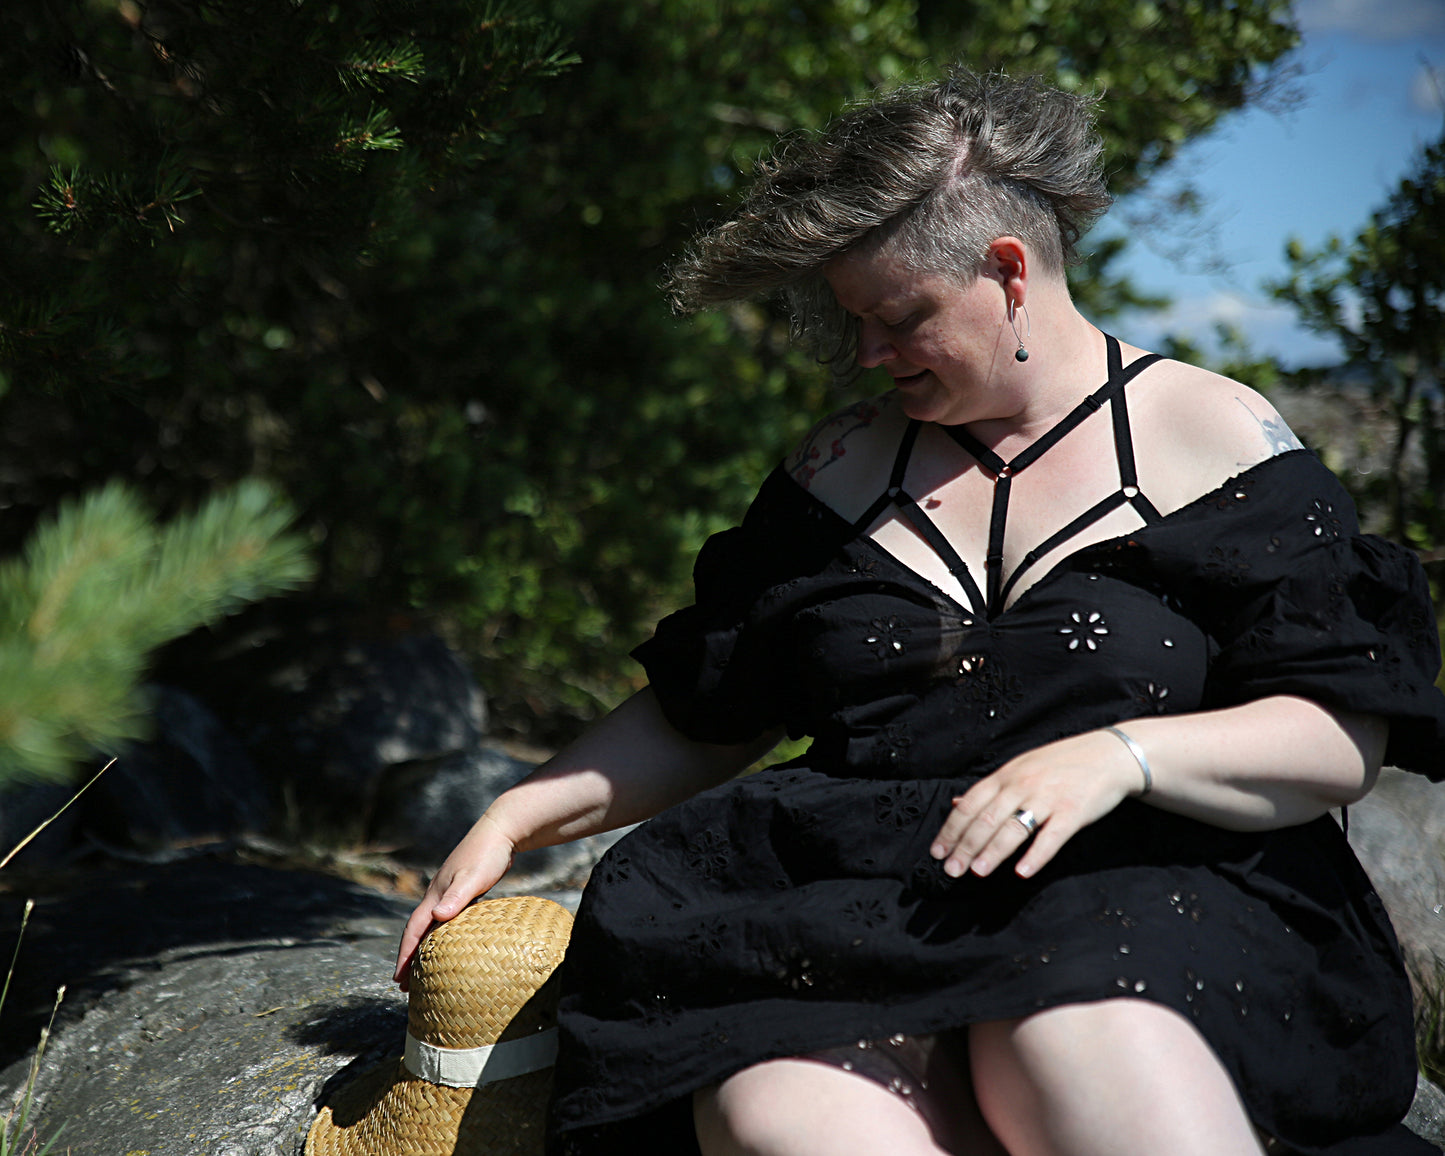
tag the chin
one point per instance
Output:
(923, 407)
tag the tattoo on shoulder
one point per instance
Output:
(824, 446)
(1277, 435)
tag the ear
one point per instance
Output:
(1008, 264)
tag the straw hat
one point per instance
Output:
(481, 1035)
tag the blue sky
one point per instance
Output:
(1366, 105)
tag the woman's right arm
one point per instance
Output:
(626, 768)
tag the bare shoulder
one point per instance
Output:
(1198, 428)
(848, 451)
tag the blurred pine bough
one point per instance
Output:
(98, 586)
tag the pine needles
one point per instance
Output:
(97, 588)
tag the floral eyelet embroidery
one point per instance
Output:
(795, 971)
(709, 854)
(870, 913)
(1389, 663)
(888, 636)
(1152, 697)
(899, 807)
(1421, 628)
(1227, 564)
(1085, 630)
(927, 879)
(707, 940)
(894, 740)
(616, 870)
(1233, 494)
(986, 684)
(1323, 522)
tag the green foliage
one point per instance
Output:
(1429, 985)
(1382, 296)
(97, 588)
(337, 250)
(18, 1136)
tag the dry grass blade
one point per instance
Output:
(25, 841)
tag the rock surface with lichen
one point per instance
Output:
(208, 1005)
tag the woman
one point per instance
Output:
(1086, 665)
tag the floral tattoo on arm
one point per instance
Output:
(824, 445)
(1277, 435)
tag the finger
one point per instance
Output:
(416, 927)
(982, 829)
(457, 895)
(1007, 838)
(965, 811)
(1046, 843)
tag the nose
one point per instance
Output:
(874, 346)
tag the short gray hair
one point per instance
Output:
(935, 172)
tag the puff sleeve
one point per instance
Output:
(1299, 602)
(720, 667)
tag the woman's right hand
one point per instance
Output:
(473, 868)
(623, 769)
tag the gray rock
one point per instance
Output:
(194, 780)
(223, 1051)
(327, 705)
(1427, 1113)
(210, 1005)
(424, 811)
(215, 1040)
(1398, 833)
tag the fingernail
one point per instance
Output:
(938, 850)
(981, 867)
(1025, 869)
(953, 867)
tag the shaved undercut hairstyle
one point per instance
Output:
(932, 174)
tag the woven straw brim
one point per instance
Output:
(485, 977)
(389, 1112)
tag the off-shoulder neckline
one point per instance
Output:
(849, 533)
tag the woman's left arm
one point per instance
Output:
(1274, 762)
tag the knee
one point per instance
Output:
(1077, 1044)
(1095, 1069)
(1074, 1036)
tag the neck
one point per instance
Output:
(1067, 362)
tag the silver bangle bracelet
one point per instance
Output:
(1138, 752)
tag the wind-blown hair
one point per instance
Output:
(933, 172)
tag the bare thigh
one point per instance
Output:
(804, 1107)
(1120, 1077)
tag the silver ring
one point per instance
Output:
(1026, 820)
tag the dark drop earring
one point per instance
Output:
(1020, 354)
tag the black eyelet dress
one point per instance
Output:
(798, 908)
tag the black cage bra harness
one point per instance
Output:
(1003, 472)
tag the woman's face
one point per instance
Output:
(945, 345)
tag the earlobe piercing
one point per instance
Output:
(1020, 354)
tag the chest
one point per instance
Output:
(969, 523)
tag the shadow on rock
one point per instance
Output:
(98, 932)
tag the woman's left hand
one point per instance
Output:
(1063, 786)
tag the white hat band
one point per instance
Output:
(472, 1067)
